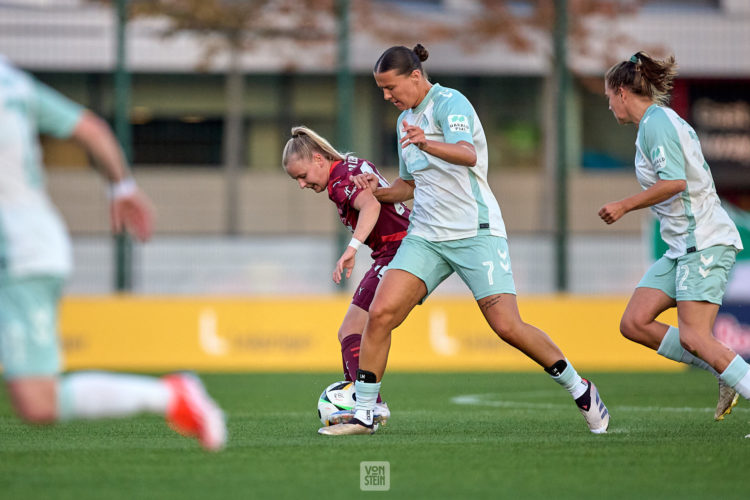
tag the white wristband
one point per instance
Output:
(355, 244)
(122, 189)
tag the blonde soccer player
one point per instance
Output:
(703, 241)
(315, 164)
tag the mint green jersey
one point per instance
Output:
(33, 238)
(668, 148)
(451, 201)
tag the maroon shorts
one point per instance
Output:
(366, 289)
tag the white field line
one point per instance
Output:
(497, 400)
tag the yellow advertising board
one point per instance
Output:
(300, 334)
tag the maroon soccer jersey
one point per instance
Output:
(393, 221)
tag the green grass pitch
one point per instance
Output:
(461, 435)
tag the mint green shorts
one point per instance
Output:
(700, 276)
(482, 262)
(29, 343)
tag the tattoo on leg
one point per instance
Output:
(491, 302)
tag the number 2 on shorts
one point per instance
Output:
(686, 270)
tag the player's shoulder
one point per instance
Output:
(355, 165)
(658, 117)
(448, 95)
(11, 76)
(450, 100)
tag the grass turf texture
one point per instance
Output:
(519, 436)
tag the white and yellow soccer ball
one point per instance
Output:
(336, 397)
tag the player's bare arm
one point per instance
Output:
(369, 211)
(130, 208)
(662, 190)
(460, 153)
(399, 191)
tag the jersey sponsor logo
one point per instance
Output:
(446, 93)
(658, 157)
(458, 123)
(349, 191)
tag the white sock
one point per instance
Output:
(572, 382)
(92, 395)
(671, 348)
(367, 395)
(737, 376)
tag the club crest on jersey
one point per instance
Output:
(458, 123)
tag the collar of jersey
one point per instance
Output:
(650, 110)
(334, 165)
(427, 98)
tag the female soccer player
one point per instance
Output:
(311, 160)
(456, 226)
(35, 259)
(703, 241)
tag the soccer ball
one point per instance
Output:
(336, 397)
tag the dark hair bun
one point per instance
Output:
(421, 52)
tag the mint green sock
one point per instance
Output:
(367, 396)
(572, 382)
(737, 376)
(671, 348)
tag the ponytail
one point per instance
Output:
(644, 75)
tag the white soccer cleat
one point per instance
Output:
(340, 417)
(593, 409)
(193, 413)
(347, 429)
(727, 400)
(381, 414)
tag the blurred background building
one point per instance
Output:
(231, 222)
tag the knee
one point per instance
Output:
(631, 327)
(34, 405)
(508, 328)
(36, 413)
(382, 315)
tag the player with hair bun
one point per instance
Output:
(310, 160)
(703, 241)
(456, 226)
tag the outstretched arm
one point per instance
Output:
(130, 209)
(660, 191)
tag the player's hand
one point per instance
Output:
(366, 181)
(133, 213)
(611, 212)
(413, 135)
(346, 262)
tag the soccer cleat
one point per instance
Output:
(351, 428)
(340, 417)
(381, 415)
(193, 413)
(727, 400)
(593, 409)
